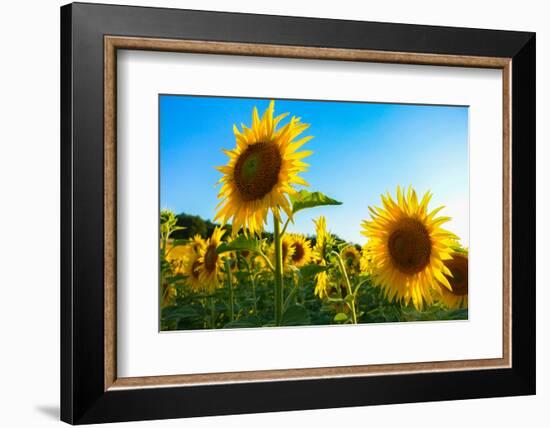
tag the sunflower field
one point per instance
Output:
(240, 275)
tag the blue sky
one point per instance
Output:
(360, 151)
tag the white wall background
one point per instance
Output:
(29, 215)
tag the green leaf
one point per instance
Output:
(308, 271)
(241, 242)
(296, 315)
(305, 199)
(340, 317)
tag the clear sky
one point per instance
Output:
(360, 150)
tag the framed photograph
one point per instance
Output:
(266, 213)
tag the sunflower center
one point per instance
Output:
(210, 258)
(410, 246)
(257, 170)
(459, 268)
(298, 253)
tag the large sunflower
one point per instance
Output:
(408, 247)
(210, 261)
(261, 171)
(302, 252)
(458, 296)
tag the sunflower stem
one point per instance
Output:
(278, 271)
(230, 286)
(348, 285)
(267, 261)
(286, 225)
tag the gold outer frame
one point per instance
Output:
(113, 43)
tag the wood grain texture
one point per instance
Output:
(110, 183)
(296, 374)
(112, 43)
(264, 50)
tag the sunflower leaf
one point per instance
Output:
(308, 271)
(305, 199)
(240, 243)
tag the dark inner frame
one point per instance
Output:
(83, 399)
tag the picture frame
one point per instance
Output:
(91, 35)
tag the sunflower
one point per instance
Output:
(321, 241)
(458, 296)
(287, 250)
(192, 266)
(177, 255)
(321, 284)
(351, 257)
(261, 172)
(365, 263)
(210, 261)
(302, 252)
(322, 237)
(409, 247)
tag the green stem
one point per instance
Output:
(348, 285)
(230, 286)
(278, 271)
(285, 226)
(267, 261)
